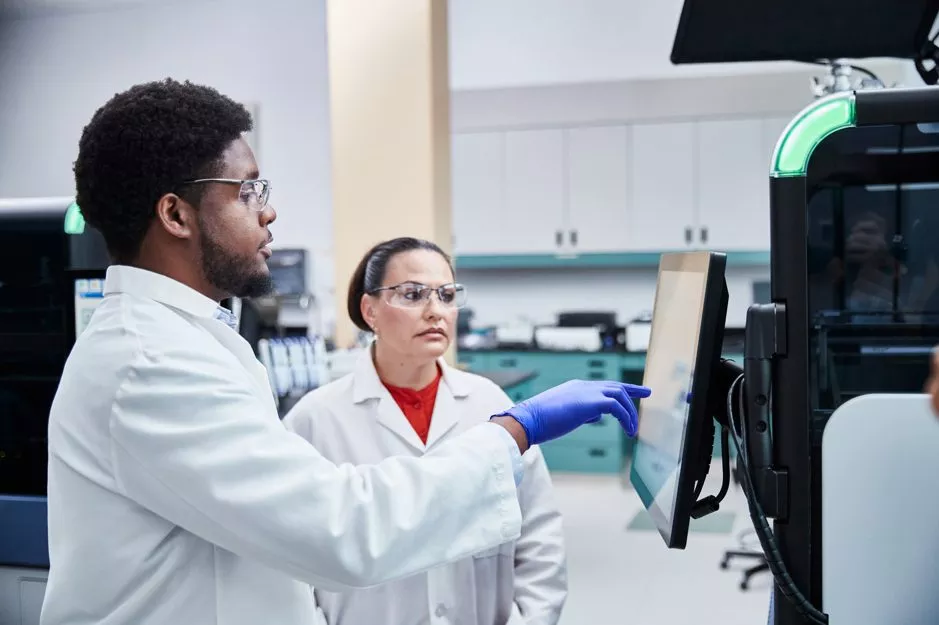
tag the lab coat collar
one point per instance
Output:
(160, 288)
(367, 385)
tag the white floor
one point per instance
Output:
(620, 577)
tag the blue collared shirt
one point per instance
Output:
(227, 317)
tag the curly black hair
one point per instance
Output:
(141, 145)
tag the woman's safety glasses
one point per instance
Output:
(415, 295)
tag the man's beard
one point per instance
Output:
(231, 274)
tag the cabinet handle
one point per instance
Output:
(596, 363)
(704, 234)
(573, 237)
(508, 362)
(688, 235)
(558, 238)
(597, 453)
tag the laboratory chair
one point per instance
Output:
(755, 555)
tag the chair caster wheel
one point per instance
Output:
(724, 564)
(744, 586)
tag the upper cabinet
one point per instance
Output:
(773, 128)
(535, 191)
(598, 179)
(732, 185)
(662, 174)
(477, 181)
(672, 185)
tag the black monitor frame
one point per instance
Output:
(842, 42)
(709, 387)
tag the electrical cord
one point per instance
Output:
(774, 559)
(746, 544)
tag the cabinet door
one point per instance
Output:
(772, 129)
(661, 175)
(534, 191)
(733, 185)
(598, 169)
(478, 173)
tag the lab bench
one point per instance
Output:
(600, 447)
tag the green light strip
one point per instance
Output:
(74, 220)
(808, 129)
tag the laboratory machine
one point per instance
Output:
(837, 443)
(50, 270)
(852, 314)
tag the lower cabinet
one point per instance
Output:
(574, 456)
(600, 447)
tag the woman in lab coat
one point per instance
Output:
(403, 399)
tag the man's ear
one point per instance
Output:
(176, 216)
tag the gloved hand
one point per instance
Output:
(564, 408)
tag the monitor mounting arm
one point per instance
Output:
(722, 380)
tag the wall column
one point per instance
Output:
(390, 123)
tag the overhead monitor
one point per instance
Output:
(727, 31)
(676, 435)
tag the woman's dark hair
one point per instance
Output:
(370, 271)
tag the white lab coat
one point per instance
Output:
(355, 419)
(176, 495)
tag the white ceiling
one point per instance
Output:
(28, 8)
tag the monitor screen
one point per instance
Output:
(682, 350)
(288, 271)
(88, 294)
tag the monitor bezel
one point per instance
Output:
(707, 358)
(860, 48)
(71, 275)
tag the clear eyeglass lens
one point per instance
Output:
(414, 295)
(254, 193)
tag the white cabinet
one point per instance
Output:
(477, 180)
(641, 187)
(598, 189)
(772, 130)
(662, 177)
(535, 191)
(732, 184)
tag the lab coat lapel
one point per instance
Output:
(391, 417)
(367, 386)
(446, 407)
(445, 415)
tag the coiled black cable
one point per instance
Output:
(774, 559)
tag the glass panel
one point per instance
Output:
(32, 351)
(873, 245)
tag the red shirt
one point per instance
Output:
(417, 405)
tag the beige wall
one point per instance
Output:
(390, 127)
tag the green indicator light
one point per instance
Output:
(808, 129)
(74, 220)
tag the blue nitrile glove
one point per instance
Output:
(564, 408)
